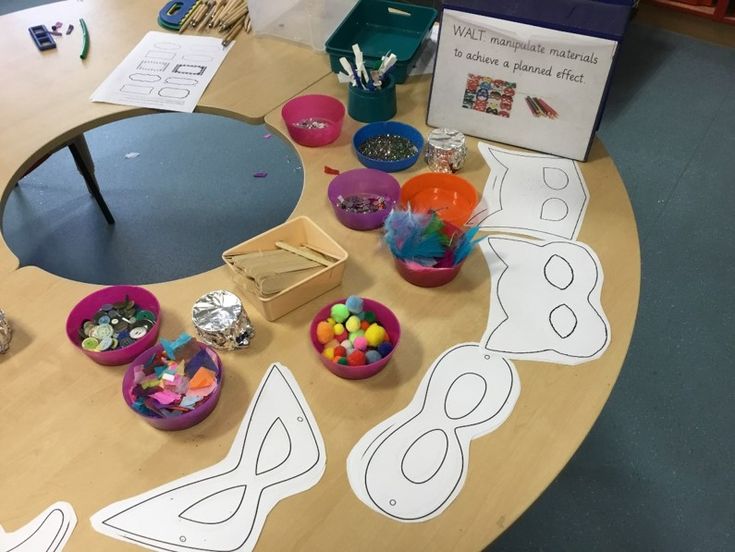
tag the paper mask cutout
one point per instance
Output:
(529, 193)
(545, 301)
(48, 532)
(411, 466)
(278, 451)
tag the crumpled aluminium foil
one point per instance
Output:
(446, 150)
(6, 332)
(221, 321)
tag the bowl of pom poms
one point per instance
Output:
(427, 251)
(355, 337)
(113, 325)
(362, 198)
(174, 384)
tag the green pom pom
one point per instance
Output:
(342, 360)
(340, 312)
(370, 316)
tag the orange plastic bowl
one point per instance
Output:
(452, 197)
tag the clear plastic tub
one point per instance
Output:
(310, 22)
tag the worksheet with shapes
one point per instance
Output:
(164, 71)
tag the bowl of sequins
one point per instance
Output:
(388, 146)
(355, 337)
(113, 325)
(313, 119)
(174, 384)
(362, 198)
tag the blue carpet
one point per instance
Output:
(189, 195)
(656, 471)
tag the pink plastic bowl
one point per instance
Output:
(87, 307)
(384, 316)
(426, 276)
(314, 106)
(186, 420)
(361, 182)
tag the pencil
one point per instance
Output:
(198, 14)
(547, 108)
(216, 13)
(232, 19)
(211, 8)
(532, 107)
(188, 15)
(232, 33)
(539, 108)
(229, 8)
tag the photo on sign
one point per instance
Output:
(491, 96)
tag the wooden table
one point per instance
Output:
(67, 434)
(45, 99)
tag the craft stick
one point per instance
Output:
(232, 33)
(302, 252)
(187, 17)
(247, 23)
(320, 250)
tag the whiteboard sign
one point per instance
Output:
(520, 84)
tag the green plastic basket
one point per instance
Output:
(379, 26)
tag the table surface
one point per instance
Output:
(68, 435)
(48, 102)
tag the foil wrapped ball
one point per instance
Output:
(221, 321)
(6, 333)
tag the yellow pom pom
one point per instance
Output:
(375, 335)
(352, 324)
(328, 352)
(331, 321)
(339, 329)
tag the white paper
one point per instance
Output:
(278, 452)
(530, 193)
(164, 71)
(414, 464)
(545, 301)
(48, 532)
(567, 71)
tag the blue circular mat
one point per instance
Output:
(182, 188)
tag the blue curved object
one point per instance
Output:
(173, 13)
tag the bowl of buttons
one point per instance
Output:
(355, 337)
(113, 325)
(175, 384)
